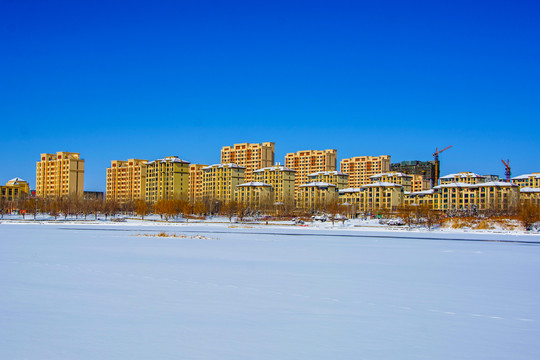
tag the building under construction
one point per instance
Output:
(425, 168)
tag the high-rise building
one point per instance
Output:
(307, 162)
(220, 181)
(126, 180)
(361, 168)
(60, 174)
(196, 182)
(415, 167)
(167, 178)
(281, 179)
(250, 156)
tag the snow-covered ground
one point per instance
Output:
(92, 291)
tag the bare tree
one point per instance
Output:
(141, 208)
(529, 216)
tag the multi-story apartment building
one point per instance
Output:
(60, 174)
(316, 195)
(414, 167)
(462, 177)
(493, 195)
(196, 181)
(126, 180)
(420, 198)
(527, 180)
(166, 178)
(310, 161)
(220, 181)
(341, 180)
(394, 178)
(361, 168)
(529, 195)
(419, 183)
(250, 156)
(372, 197)
(281, 179)
(15, 189)
(255, 194)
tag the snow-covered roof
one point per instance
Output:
(496, 183)
(455, 185)
(318, 184)
(169, 159)
(254, 184)
(529, 190)
(229, 165)
(485, 184)
(390, 174)
(526, 176)
(349, 190)
(382, 184)
(335, 172)
(462, 175)
(274, 168)
(16, 180)
(422, 193)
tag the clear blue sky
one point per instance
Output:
(123, 79)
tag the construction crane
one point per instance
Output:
(507, 171)
(436, 159)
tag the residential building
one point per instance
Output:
(341, 180)
(419, 183)
(15, 189)
(166, 178)
(196, 181)
(281, 179)
(255, 194)
(414, 167)
(465, 177)
(307, 162)
(361, 168)
(316, 195)
(394, 178)
(93, 195)
(250, 156)
(529, 195)
(493, 195)
(126, 180)
(220, 181)
(373, 197)
(420, 198)
(527, 180)
(60, 174)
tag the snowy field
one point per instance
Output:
(88, 291)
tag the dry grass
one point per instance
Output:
(180, 236)
(492, 223)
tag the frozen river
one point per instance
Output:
(106, 292)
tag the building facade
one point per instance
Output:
(373, 197)
(196, 182)
(316, 195)
(310, 161)
(166, 178)
(221, 180)
(527, 180)
(414, 167)
(126, 180)
(250, 156)
(60, 174)
(361, 168)
(341, 180)
(465, 177)
(395, 178)
(15, 189)
(255, 194)
(282, 180)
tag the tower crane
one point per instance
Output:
(436, 159)
(507, 171)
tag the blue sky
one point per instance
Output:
(132, 79)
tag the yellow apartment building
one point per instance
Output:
(420, 198)
(250, 156)
(316, 195)
(373, 197)
(166, 178)
(196, 182)
(462, 177)
(399, 178)
(529, 195)
(255, 194)
(361, 168)
(221, 180)
(492, 195)
(419, 183)
(341, 180)
(15, 189)
(307, 162)
(60, 174)
(527, 180)
(126, 180)
(282, 180)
